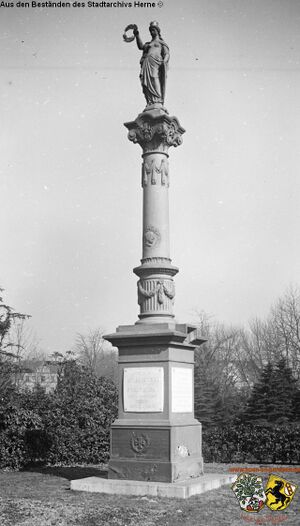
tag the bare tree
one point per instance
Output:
(25, 344)
(255, 350)
(216, 367)
(269, 340)
(285, 323)
(97, 354)
(10, 350)
(8, 320)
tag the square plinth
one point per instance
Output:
(156, 437)
(181, 490)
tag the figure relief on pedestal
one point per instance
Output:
(154, 64)
(150, 170)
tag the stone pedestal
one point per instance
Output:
(156, 437)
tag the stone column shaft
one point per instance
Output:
(155, 182)
(155, 131)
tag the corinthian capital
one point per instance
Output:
(155, 131)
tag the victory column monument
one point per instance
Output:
(156, 441)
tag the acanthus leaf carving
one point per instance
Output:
(155, 133)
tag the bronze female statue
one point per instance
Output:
(154, 64)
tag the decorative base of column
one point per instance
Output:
(156, 290)
(156, 437)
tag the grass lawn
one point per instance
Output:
(41, 497)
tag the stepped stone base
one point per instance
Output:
(181, 490)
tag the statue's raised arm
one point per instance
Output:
(154, 64)
(136, 33)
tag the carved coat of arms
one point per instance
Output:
(139, 443)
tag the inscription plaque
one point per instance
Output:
(182, 390)
(143, 389)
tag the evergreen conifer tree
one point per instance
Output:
(274, 395)
(262, 403)
(286, 391)
(208, 401)
(296, 406)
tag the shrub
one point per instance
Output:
(15, 424)
(79, 418)
(68, 426)
(252, 443)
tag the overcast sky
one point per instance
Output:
(71, 201)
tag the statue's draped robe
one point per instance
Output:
(154, 71)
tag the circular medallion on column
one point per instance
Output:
(152, 237)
